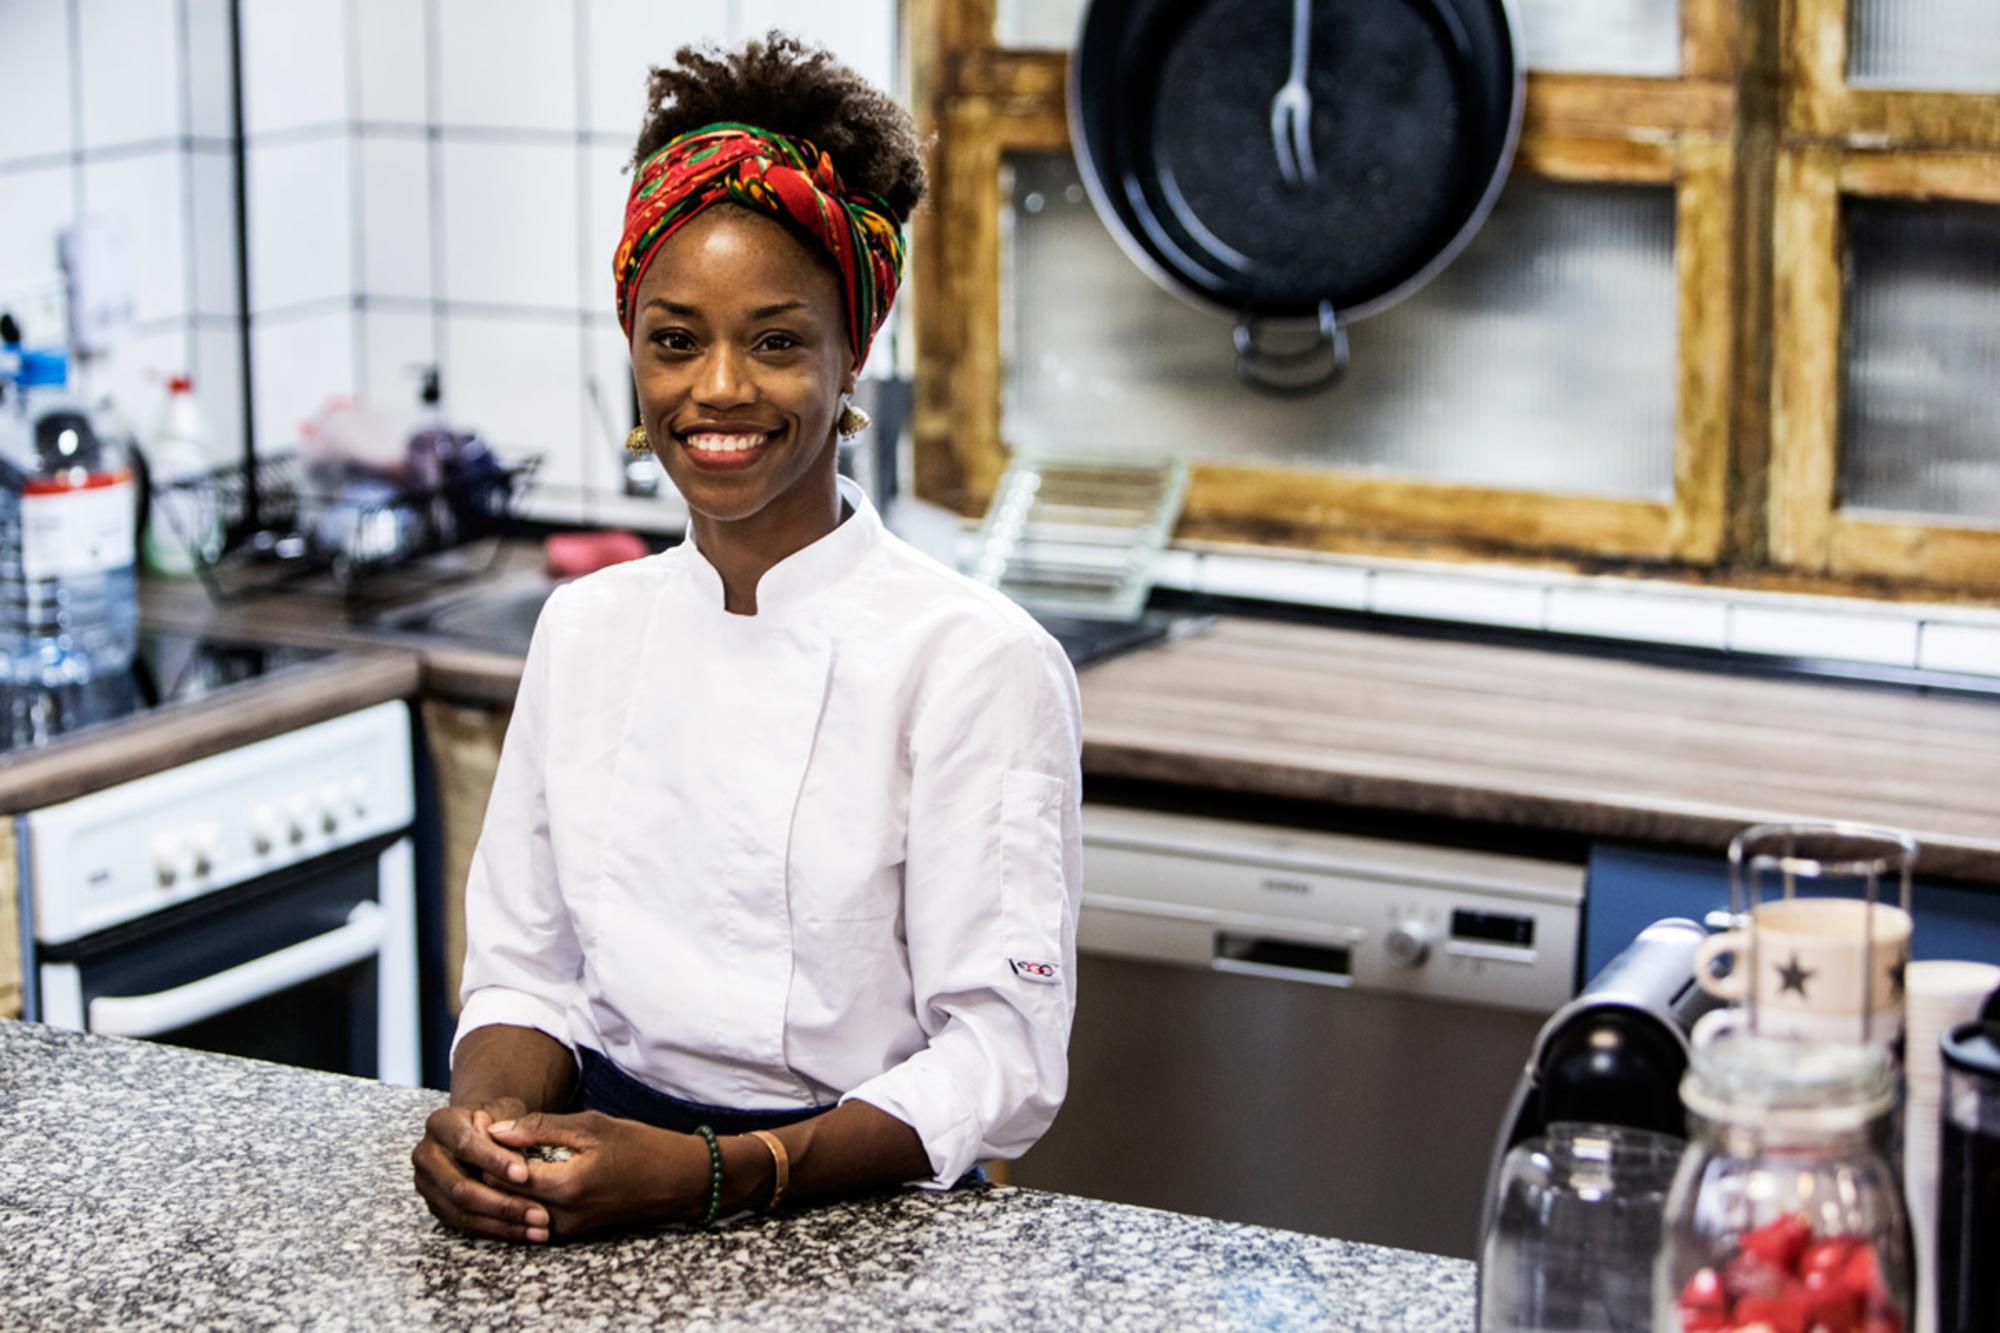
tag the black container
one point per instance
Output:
(1968, 1255)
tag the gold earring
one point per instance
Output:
(637, 442)
(851, 421)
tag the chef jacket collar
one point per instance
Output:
(795, 580)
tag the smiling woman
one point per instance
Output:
(776, 894)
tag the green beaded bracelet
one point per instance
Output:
(714, 1174)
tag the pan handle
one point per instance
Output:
(1317, 365)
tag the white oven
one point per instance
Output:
(258, 902)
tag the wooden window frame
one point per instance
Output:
(981, 101)
(1841, 141)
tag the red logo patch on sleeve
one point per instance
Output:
(1032, 970)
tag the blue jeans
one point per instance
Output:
(611, 1090)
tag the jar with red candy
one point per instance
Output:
(1785, 1217)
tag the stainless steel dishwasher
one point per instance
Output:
(1302, 1029)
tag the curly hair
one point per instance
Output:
(780, 83)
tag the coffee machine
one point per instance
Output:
(1615, 1054)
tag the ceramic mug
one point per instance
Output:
(1811, 957)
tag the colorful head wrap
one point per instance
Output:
(782, 177)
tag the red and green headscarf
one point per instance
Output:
(782, 177)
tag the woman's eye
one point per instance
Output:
(778, 342)
(674, 340)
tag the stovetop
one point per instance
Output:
(169, 669)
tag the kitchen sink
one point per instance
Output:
(499, 615)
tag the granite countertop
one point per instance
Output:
(142, 1185)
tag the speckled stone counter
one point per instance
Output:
(146, 1187)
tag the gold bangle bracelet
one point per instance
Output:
(781, 1162)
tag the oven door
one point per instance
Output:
(313, 966)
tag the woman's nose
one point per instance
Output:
(724, 380)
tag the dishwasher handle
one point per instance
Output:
(1274, 958)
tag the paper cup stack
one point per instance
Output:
(1938, 997)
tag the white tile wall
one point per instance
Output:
(212, 178)
(862, 35)
(34, 206)
(507, 64)
(1693, 621)
(295, 72)
(515, 380)
(300, 362)
(1303, 581)
(605, 185)
(625, 39)
(35, 71)
(301, 222)
(396, 345)
(218, 386)
(1972, 648)
(143, 195)
(211, 71)
(392, 51)
(132, 52)
(510, 224)
(1484, 601)
(1800, 632)
(608, 360)
(395, 217)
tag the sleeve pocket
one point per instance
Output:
(1031, 862)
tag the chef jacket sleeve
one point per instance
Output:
(992, 882)
(523, 966)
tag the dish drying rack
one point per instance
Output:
(287, 521)
(1077, 537)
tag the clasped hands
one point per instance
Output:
(471, 1169)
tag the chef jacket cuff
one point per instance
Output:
(491, 1006)
(928, 1102)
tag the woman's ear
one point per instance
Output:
(850, 377)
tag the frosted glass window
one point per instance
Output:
(1952, 45)
(1601, 36)
(1922, 356)
(1585, 36)
(1542, 359)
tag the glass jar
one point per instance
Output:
(1785, 1214)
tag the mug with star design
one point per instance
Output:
(1816, 952)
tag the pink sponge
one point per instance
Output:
(571, 555)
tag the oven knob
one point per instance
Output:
(330, 802)
(265, 830)
(206, 841)
(298, 818)
(357, 794)
(167, 859)
(1408, 943)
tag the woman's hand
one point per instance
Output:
(458, 1164)
(620, 1173)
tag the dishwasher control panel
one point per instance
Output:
(1330, 909)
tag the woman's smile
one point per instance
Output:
(726, 448)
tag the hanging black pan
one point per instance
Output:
(1294, 164)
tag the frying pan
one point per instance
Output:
(1294, 164)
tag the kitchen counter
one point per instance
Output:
(1513, 737)
(103, 756)
(142, 1185)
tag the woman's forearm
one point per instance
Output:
(852, 1149)
(499, 1063)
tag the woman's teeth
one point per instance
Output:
(712, 443)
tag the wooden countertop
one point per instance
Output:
(1543, 740)
(1504, 736)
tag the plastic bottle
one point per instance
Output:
(68, 597)
(184, 528)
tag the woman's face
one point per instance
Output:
(740, 355)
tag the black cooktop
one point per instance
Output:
(169, 669)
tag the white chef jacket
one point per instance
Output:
(828, 851)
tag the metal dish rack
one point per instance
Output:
(288, 521)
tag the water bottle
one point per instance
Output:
(68, 597)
